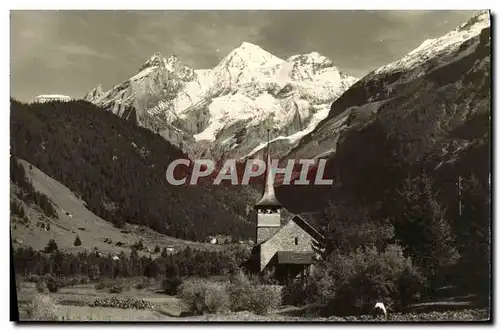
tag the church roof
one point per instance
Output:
(286, 218)
(308, 228)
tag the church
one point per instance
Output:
(285, 242)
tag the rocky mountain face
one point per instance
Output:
(435, 88)
(427, 112)
(228, 109)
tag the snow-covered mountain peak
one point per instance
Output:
(476, 22)
(443, 44)
(95, 93)
(249, 90)
(310, 58)
(155, 60)
(250, 55)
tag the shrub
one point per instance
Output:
(240, 292)
(113, 286)
(320, 287)
(143, 283)
(42, 308)
(33, 278)
(51, 246)
(139, 246)
(248, 294)
(171, 285)
(201, 296)
(157, 249)
(101, 285)
(41, 286)
(266, 298)
(366, 276)
(216, 297)
(16, 208)
(294, 294)
(116, 288)
(77, 242)
(94, 272)
(71, 281)
(53, 285)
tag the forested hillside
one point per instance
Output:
(118, 169)
(413, 165)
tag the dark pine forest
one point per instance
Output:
(118, 169)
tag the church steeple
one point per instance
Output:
(268, 199)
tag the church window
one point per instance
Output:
(296, 240)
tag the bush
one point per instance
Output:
(16, 208)
(157, 249)
(294, 294)
(116, 288)
(139, 246)
(143, 283)
(41, 286)
(53, 285)
(216, 298)
(51, 246)
(201, 296)
(70, 281)
(101, 285)
(113, 286)
(360, 279)
(42, 308)
(33, 278)
(171, 285)
(77, 242)
(266, 298)
(240, 292)
(248, 294)
(94, 272)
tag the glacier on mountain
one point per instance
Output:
(247, 92)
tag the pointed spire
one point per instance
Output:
(268, 196)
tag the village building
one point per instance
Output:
(284, 243)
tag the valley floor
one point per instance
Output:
(73, 304)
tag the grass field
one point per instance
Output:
(73, 304)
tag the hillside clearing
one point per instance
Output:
(75, 219)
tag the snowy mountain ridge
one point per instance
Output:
(248, 91)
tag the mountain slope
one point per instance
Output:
(207, 112)
(437, 79)
(429, 111)
(73, 218)
(118, 169)
(409, 149)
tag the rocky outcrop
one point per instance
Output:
(94, 94)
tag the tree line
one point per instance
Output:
(183, 263)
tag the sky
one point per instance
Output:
(70, 52)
